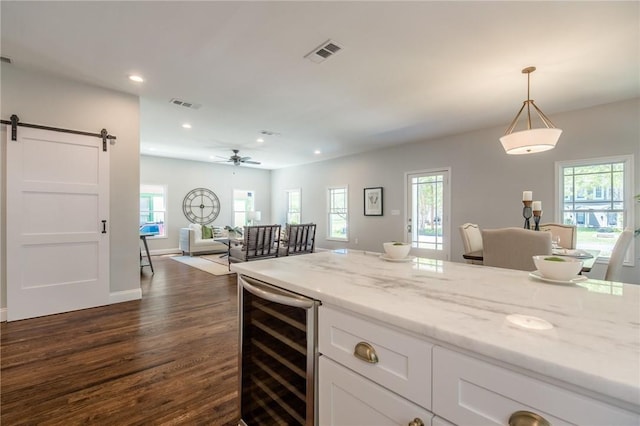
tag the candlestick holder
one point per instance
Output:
(536, 219)
(526, 213)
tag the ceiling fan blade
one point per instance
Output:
(251, 162)
(244, 158)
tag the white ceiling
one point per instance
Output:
(408, 71)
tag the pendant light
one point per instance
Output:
(530, 140)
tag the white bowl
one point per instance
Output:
(557, 267)
(396, 250)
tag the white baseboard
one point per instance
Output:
(164, 251)
(125, 296)
(117, 297)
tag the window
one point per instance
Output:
(595, 195)
(293, 206)
(338, 213)
(153, 210)
(243, 202)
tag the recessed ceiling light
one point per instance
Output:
(136, 78)
(259, 140)
(317, 152)
(152, 149)
(186, 125)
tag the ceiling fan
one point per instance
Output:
(237, 159)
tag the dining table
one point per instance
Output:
(588, 257)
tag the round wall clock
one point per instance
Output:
(201, 205)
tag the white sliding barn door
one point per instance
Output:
(57, 198)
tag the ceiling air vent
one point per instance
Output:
(185, 104)
(323, 52)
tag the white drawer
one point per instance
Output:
(348, 399)
(404, 362)
(468, 391)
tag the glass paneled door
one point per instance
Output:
(428, 213)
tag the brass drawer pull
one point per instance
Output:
(365, 352)
(527, 418)
(416, 422)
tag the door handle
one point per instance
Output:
(104, 226)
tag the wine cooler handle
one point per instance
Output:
(527, 418)
(274, 294)
(365, 352)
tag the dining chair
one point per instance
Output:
(300, 239)
(260, 241)
(617, 255)
(568, 234)
(514, 248)
(471, 239)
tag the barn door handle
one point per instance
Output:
(104, 226)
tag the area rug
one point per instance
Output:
(204, 264)
(217, 259)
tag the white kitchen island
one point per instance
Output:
(492, 340)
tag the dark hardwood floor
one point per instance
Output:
(170, 358)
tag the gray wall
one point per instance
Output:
(486, 184)
(181, 176)
(41, 98)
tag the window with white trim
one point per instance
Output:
(595, 195)
(293, 206)
(338, 213)
(243, 202)
(153, 202)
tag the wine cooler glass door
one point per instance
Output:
(278, 355)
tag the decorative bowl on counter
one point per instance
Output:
(558, 268)
(396, 250)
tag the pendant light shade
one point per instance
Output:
(530, 140)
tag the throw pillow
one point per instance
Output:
(207, 232)
(218, 232)
(197, 230)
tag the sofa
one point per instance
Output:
(191, 240)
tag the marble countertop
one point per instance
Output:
(587, 335)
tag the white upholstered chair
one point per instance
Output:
(617, 255)
(514, 248)
(471, 239)
(568, 234)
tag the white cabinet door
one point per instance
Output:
(468, 391)
(403, 363)
(439, 421)
(348, 399)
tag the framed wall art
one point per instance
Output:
(373, 201)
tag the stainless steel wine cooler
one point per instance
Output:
(278, 355)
